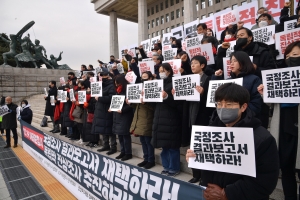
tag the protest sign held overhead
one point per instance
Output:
(81, 97)
(59, 95)
(4, 110)
(217, 17)
(120, 68)
(229, 18)
(130, 77)
(178, 32)
(285, 38)
(264, 34)
(96, 89)
(193, 42)
(153, 91)
(72, 96)
(62, 81)
(190, 29)
(223, 149)
(274, 7)
(52, 100)
(154, 41)
(247, 13)
(185, 87)
(166, 39)
(146, 66)
(117, 102)
(45, 92)
(213, 86)
(289, 25)
(77, 73)
(281, 85)
(64, 96)
(146, 45)
(202, 50)
(134, 92)
(176, 65)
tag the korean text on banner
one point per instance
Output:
(4, 110)
(274, 7)
(289, 25)
(210, 22)
(81, 97)
(59, 95)
(117, 102)
(72, 96)
(153, 91)
(185, 87)
(131, 77)
(134, 92)
(247, 14)
(146, 66)
(64, 96)
(281, 85)
(202, 50)
(213, 86)
(285, 38)
(264, 34)
(176, 65)
(190, 29)
(168, 52)
(154, 41)
(217, 17)
(96, 89)
(146, 45)
(178, 32)
(166, 39)
(223, 149)
(231, 17)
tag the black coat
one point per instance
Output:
(26, 115)
(122, 121)
(166, 129)
(9, 121)
(66, 121)
(87, 136)
(103, 120)
(49, 110)
(267, 165)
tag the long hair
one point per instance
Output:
(246, 66)
(120, 80)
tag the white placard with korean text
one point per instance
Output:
(178, 32)
(96, 89)
(146, 66)
(117, 102)
(285, 38)
(202, 50)
(134, 92)
(64, 96)
(290, 25)
(185, 87)
(72, 96)
(153, 91)
(81, 97)
(59, 95)
(4, 110)
(176, 65)
(264, 34)
(231, 17)
(131, 77)
(223, 149)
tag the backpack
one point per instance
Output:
(44, 122)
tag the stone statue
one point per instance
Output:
(53, 62)
(39, 57)
(25, 56)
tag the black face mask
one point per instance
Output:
(69, 77)
(50, 86)
(240, 43)
(112, 60)
(104, 79)
(293, 61)
(174, 46)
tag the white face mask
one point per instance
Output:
(227, 37)
(23, 105)
(163, 75)
(263, 24)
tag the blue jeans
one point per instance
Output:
(170, 159)
(148, 149)
(125, 144)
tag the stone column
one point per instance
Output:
(190, 12)
(113, 26)
(142, 20)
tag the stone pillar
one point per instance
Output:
(113, 26)
(190, 12)
(142, 20)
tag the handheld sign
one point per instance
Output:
(264, 34)
(93, 79)
(146, 66)
(4, 110)
(77, 73)
(96, 89)
(72, 97)
(117, 102)
(64, 97)
(185, 87)
(81, 97)
(134, 92)
(283, 39)
(289, 25)
(176, 65)
(130, 77)
(169, 52)
(231, 17)
(202, 50)
(59, 95)
(45, 92)
(223, 149)
(120, 68)
(281, 85)
(153, 91)
(213, 86)
(52, 100)
(62, 81)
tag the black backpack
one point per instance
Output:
(44, 122)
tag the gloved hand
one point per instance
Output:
(214, 192)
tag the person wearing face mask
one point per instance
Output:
(167, 129)
(210, 69)
(112, 59)
(9, 122)
(284, 127)
(185, 63)
(229, 35)
(25, 112)
(103, 120)
(202, 30)
(72, 78)
(261, 11)
(232, 111)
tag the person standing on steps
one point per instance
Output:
(9, 122)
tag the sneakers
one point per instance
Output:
(126, 157)
(110, 152)
(173, 174)
(164, 172)
(149, 165)
(120, 156)
(142, 164)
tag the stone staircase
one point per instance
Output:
(37, 103)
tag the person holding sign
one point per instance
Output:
(122, 121)
(241, 66)
(142, 126)
(9, 122)
(232, 111)
(202, 30)
(185, 63)
(2, 103)
(210, 69)
(284, 127)
(166, 129)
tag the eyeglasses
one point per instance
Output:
(225, 104)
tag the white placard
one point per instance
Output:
(223, 149)
(64, 96)
(176, 65)
(62, 81)
(168, 52)
(210, 22)
(229, 18)
(149, 54)
(147, 59)
(77, 73)
(283, 39)
(98, 70)
(193, 42)
(146, 66)
(290, 25)
(96, 89)
(134, 92)
(217, 17)
(81, 97)
(131, 77)
(4, 110)
(154, 41)
(93, 79)
(45, 92)
(264, 34)
(191, 28)
(230, 50)
(274, 8)
(72, 96)
(247, 13)
(52, 99)
(178, 32)
(59, 95)
(120, 68)
(117, 102)
(281, 85)
(185, 87)
(146, 45)
(213, 86)
(202, 50)
(166, 39)
(153, 91)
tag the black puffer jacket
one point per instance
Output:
(103, 120)
(122, 121)
(166, 129)
(267, 165)
(9, 121)
(49, 110)
(26, 114)
(66, 121)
